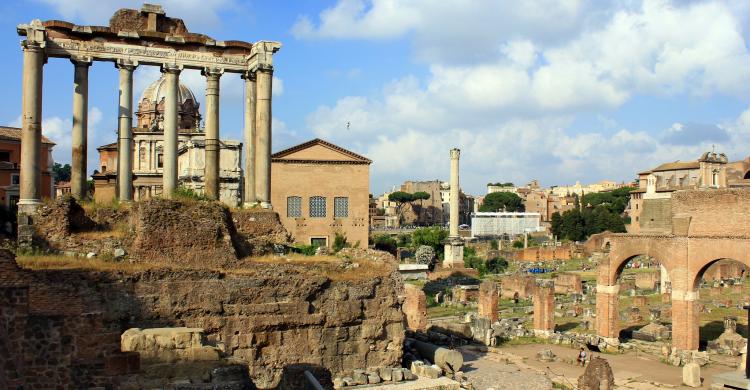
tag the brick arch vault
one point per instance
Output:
(685, 258)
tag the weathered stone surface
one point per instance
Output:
(266, 317)
(415, 308)
(691, 375)
(598, 375)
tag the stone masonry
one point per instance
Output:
(488, 301)
(63, 327)
(544, 307)
(415, 308)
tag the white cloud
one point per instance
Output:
(196, 13)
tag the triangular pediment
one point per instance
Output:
(319, 150)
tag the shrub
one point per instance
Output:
(307, 250)
(494, 245)
(385, 242)
(339, 242)
(184, 193)
(425, 254)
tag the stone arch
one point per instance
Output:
(698, 274)
(746, 176)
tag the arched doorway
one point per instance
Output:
(746, 176)
(723, 289)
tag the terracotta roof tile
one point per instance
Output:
(14, 133)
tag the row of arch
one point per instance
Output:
(685, 260)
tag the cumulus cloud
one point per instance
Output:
(505, 83)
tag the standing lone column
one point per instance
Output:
(125, 132)
(212, 132)
(78, 186)
(249, 139)
(31, 133)
(455, 154)
(169, 173)
(454, 245)
(263, 137)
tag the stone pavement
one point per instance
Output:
(487, 371)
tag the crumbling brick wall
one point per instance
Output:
(65, 325)
(415, 308)
(488, 300)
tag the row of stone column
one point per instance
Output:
(257, 131)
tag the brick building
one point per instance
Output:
(320, 189)
(10, 159)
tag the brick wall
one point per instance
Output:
(64, 326)
(415, 308)
(544, 307)
(488, 300)
(568, 283)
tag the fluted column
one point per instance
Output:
(79, 136)
(125, 132)
(31, 132)
(169, 173)
(249, 139)
(212, 133)
(263, 137)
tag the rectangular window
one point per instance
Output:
(318, 241)
(294, 207)
(340, 207)
(4, 156)
(317, 207)
(15, 179)
(160, 161)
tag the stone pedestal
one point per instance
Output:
(454, 254)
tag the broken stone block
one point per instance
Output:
(360, 378)
(545, 355)
(373, 379)
(338, 383)
(386, 374)
(398, 375)
(432, 372)
(691, 375)
(408, 375)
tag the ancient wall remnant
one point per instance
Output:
(516, 286)
(648, 280)
(64, 326)
(544, 307)
(488, 300)
(568, 284)
(415, 308)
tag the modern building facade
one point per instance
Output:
(486, 224)
(320, 189)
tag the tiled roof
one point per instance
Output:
(14, 133)
(318, 141)
(677, 165)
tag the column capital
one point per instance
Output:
(126, 64)
(209, 72)
(263, 52)
(455, 153)
(35, 34)
(171, 68)
(81, 61)
(249, 75)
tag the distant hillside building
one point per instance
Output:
(148, 141)
(320, 189)
(10, 173)
(649, 204)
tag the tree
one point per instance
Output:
(340, 242)
(502, 201)
(430, 236)
(61, 172)
(557, 224)
(385, 242)
(401, 198)
(578, 225)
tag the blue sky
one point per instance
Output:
(554, 90)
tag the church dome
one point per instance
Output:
(158, 91)
(150, 114)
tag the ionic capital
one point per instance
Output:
(212, 72)
(126, 64)
(81, 61)
(249, 76)
(171, 68)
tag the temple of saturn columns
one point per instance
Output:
(454, 245)
(147, 37)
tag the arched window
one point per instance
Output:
(317, 207)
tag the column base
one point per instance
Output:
(250, 205)
(266, 205)
(28, 206)
(454, 254)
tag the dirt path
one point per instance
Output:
(626, 367)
